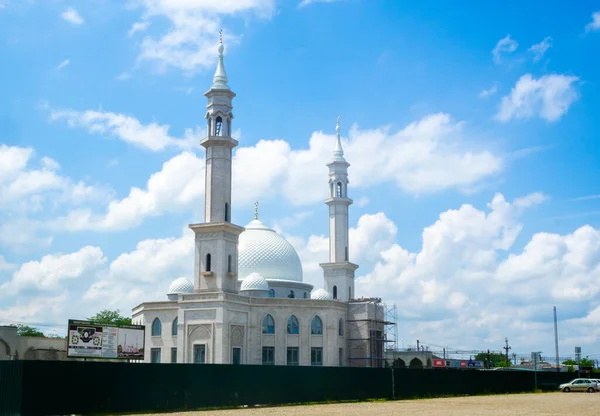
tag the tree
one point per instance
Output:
(28, 331)
(584, 362)
(107, 316)
(497, 359)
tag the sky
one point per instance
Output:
(470, 129)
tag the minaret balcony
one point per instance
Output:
(342, 201)
(219, 141)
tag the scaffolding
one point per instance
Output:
(369, 323)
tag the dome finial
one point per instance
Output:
(256, 210)
(338, 153)
(220, 78)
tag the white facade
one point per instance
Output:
(247, 303)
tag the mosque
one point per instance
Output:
(247, 303)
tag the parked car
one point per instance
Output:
(580, 384)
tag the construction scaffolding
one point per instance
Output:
(368, 332)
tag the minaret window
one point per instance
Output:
(218, 126)
(338, 190)
(346, 254)
(208, 262)
(335, 292)
(226, 212)
(229, 264)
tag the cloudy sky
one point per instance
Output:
(472, 133)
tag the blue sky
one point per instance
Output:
(442, 106)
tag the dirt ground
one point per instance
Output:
(546, 404)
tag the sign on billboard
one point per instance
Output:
(91, 340)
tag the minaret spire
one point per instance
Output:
(338, 153)
(220, 78)
(256, 210)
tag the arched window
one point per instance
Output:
(174, 327)
(156, 328)
(268, 325)
(335, 292)
(339, 190)
(316, 326)
(229, 270)
(271, 293)
(218, 126)
(341, 327)
(292, 325)
(305, 295)
(291, 295)
(226, 212)
(208, 262)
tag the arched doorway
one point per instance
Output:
(416, 363)
(399, 363)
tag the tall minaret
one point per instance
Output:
(216, 255)
(339, 272)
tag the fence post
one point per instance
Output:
(393, 385)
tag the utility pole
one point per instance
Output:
(556, 340)
(506, 348)
(489, 364)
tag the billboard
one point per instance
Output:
(92, 340)
(451, 363)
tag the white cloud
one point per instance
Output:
(548, 97)
(595, 23)
(425, 156)
(505, 45)
(304, 3)
(138, 27)
(191, 40)
(490, 91)
(539, 49)
(178, 185)
(151, 136)
(52, 270)
(144, 273)
(23, 188)
(63, 64)
(71, 16)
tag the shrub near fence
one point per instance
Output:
(67, 387)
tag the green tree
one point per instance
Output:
(28, 331)
(584, 362)
(107, 316)
(497, 359)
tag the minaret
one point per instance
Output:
(339, 272)
(216, 255)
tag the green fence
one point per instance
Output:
(67, 387)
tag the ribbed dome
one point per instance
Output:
(254, 282)
(181, 285)
(261, 250)
(320, 294)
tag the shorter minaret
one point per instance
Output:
(339, 272)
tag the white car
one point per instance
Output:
(580, 384)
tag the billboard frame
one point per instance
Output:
(82, 322)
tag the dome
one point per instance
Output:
(320, 294)
(181, 285)
(254, 282)
(261, 250)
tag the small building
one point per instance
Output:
(15, 347)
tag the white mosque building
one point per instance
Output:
(247, 303)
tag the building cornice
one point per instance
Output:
(215, 227)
